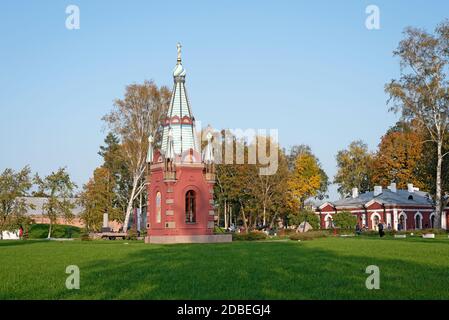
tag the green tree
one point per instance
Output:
(422, 91)
(58, 189)
(97, 198)
(354, 168)
(13, 187)
(345, 220)
(115, 162)
(269, 191)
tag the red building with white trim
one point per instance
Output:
(396, 209)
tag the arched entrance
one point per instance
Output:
(375, 220)
(432, 220)
(402, 223)
(418, 220)
(328, 223)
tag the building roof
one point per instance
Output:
(179, 120)
(38, 203)
(387, 197)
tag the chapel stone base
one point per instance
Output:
(214, 238)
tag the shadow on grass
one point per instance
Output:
(10, 243)
(256, 271)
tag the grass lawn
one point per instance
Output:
(329, 268)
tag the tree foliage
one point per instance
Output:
(116, 165)
(261, 200)
(97, 198)
(399, 157)
(58, 189)
(304, 180)
(345, 220)
(354, 168)
(13, 187)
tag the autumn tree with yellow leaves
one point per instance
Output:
(304, 180)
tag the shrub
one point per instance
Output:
(85, 236)
(372, 233)
(251, 236)
(308, 235)
(345, 220)
(40, 231)
(286, 232)
(132, 234)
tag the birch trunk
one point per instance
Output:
(245, 224)
(264, 214)
(49, 230)
(225, 215)
(438, 187)
(130, 203)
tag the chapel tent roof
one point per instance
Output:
(179, 116)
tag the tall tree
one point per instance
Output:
(58, 189)
(422, 91)
(133, 120)
(295, 151)
(269, 190)
(97, 198)
(117, 166)
(354, 168)
(305, 180)
(13, 187)
(399, 156)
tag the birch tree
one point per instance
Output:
(422, 91)
(133, 119)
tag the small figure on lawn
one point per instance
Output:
(380, 226)
(358, 231)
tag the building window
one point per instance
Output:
(190, 206)
(432, 221)
(376, 222)
(402, 223)
(329, 223)
(418, 222)
(158, 207)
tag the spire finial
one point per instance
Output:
(178, 46)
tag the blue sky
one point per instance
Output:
(308, 68)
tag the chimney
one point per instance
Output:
(377, 190)
(410, 187)
(355, 192)
(392, 187)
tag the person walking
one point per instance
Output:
(380, 226)
(357, 229)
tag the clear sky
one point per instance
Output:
(308, 68)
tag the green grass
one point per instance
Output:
(40, 231)
(328, 268)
